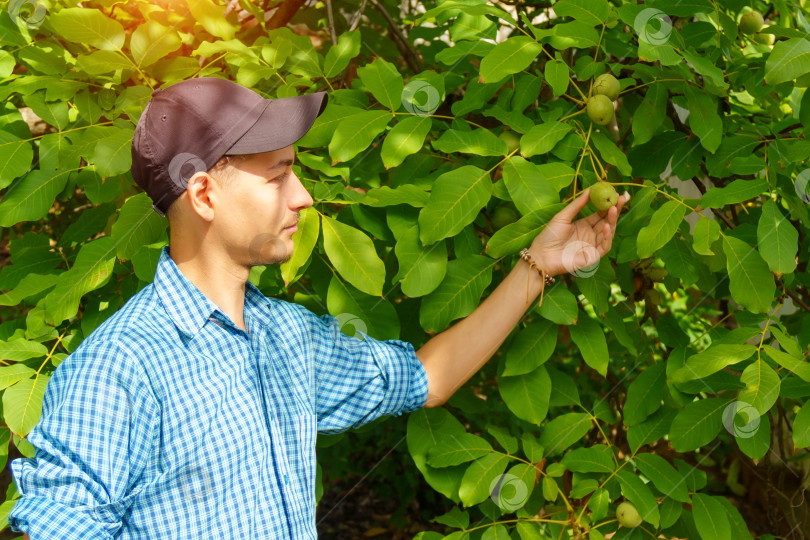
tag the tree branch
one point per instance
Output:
(284, 13)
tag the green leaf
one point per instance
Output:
(710, 518)
(479, 476)
(650, 114)
(458, 448)
(703, 118)
(455, 200)
(638, 493)
(32, 196)
(22, 404)
(762, 386)
(789, 59)
(750, 281)
(458, 294)
(356, 133)
(113, 154)
(137, 225)
(611, 153)
(339, 56)
(542, 138)
(556, 74)
(663, 225)
(644, 394)
(801, 427)
(706, 67)
(797, 365)
(212, 17)
(406, 138)
(496, 532)
(735, 192)
(18, 350)
(382, 79)
(697, 424)
(663, 476)
(531, 348)
(739, 529)
(559, 305)
(304, 239)
(563, 431)
(410, 194)
(705, 233)
(377, 317)
(650, 430)
(588, 336)
(712, 360)
(89, 27)
(510, 56)
(596, 459)
(480, 142)
(102, 61)
(15, 157)
(426, 427)
(152, 41)
(777, 239)
(528, 192)
(573, 34)
(591, 12)
(354, 256)
(527, 395)
(421, 268)
(91, 270)
(29, 286)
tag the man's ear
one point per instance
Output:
(202, 192)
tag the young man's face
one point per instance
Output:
(258, 206)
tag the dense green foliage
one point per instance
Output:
(672, 375)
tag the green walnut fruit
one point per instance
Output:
(751, 22)
(607, 85)
(600, 109)
(627, 515)
(765, 39)
(512, 141)
(603, 195)
(503, 216)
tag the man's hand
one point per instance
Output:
(564, 246)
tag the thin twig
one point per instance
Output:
(356, 18)
(331, 19)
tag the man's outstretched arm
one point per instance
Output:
(453, 356)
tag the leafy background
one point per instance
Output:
(623, 385)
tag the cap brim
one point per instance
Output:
(283, 122)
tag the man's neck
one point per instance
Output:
(216, 277)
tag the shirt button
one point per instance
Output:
(285, 478)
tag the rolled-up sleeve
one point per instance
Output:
(359, 379)
(98, 426)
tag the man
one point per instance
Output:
(192, 412)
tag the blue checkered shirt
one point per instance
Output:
(170, 422)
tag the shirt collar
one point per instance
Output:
(185, 304)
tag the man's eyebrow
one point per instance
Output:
(282, 163)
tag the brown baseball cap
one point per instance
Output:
(187, 127)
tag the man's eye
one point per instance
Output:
(279, 178)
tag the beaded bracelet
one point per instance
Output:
(547, 279)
